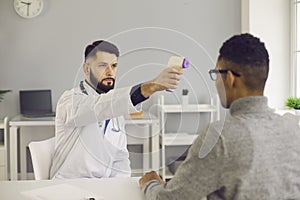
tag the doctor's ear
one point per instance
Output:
(86, 68)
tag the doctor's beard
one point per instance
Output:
(100, 87)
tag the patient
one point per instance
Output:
(254, 153)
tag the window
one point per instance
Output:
(295, 61)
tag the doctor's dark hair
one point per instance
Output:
(248, 56)
(100, 45)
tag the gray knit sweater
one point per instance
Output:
(256, 156)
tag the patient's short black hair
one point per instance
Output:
(100, 45)
(246, 54)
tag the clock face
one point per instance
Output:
(28, 8)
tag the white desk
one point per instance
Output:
(108, 188)
(17, 122)
(15, 125)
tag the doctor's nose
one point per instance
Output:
(109, 70)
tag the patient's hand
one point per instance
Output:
(149, 176)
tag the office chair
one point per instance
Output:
(41, 154)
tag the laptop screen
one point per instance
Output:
(35, 101)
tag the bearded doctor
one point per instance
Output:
(90, 139)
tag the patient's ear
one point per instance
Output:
(231, 79)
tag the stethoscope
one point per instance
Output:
(114, 128)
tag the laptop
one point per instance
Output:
(36, 103)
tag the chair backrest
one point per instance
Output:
(41, 154)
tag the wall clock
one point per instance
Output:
(28, 8)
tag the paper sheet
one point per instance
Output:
(62, 191)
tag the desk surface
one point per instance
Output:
(20, 120)
(107, 188)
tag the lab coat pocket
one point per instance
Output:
(94, 142)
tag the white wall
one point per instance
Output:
(47, 51)
(270, 20)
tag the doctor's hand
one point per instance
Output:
(149, 176)
(167, 79)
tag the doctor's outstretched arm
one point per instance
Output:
(88, 109)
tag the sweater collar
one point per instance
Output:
(250, 104)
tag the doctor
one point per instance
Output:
(89, 127)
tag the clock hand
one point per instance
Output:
(26, 3)
(28, 9)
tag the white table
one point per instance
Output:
(17, 122)
(108, 188)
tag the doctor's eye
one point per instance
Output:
(102, 65)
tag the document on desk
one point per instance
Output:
(61, 191)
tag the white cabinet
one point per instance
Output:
(179, 139)
(3, 148)
(141, 131)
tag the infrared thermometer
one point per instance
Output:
(178, 61)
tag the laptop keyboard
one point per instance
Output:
(33, 115)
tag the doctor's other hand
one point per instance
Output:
(168, 79)
(149, 176)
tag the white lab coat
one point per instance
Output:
(82, 149)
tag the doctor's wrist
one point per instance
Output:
(148, 88)
(136, 95)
